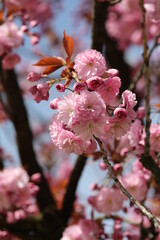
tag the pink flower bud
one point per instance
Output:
(19, 214)
(24, 28)
(112, 72)
(34, 23)
(36, 95)
(117, 168)
(36, 178)
(102, 166)
(120, 113)
(40, 92)
(54, 103)
(79, 87)
(33, 76)
(60, 87)
(43, 88)
(124, 152)
(94, 83)
(141, 113)
(35, 39)
(93, 186)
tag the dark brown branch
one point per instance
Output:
(147, 79)
(71, 189)
(98, 25)
(18, 116)
(151, 165)
(100, 38)
(30, 229)
(115, 57)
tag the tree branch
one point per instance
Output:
(98, 25)
(116, 60)
(100, 38)
(18, 116)
(147, 79)
(140, 71)
(71, 189)
(148, 214)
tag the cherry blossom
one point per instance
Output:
(89, 63)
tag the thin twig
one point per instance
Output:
(148, 214)
(140, 71)
(146, 75)
(113, 2)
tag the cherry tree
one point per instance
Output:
(104, 112)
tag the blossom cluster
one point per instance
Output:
(128, 14)
(91, 110)
(17, 194)
(30, 13)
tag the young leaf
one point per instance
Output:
(68, 44)
(12, 10)
(49, 70)
(158, 105)
(56, 62)
(1, 16)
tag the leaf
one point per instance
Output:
(158, 105)
(68, 44)
(50, 62)
(13, 9)
(49, 70)
(1, 16)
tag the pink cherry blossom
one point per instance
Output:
(60, 87)
(141, 113)
(84, 230)
(155, 137)
(89, 63)
(116, 127)
(136, 184)
(11, 36)
(106, 200)
(65, 139)
(136, 136)
(128, 13)
(66, 108)
(89, 106)
(40, 92)
(89, 129)
(129, 102)
(138, 168)
(16, 193)
(71, 143)
(110, 90)
(10, 60)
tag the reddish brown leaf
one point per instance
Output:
(158, 105)
(13, 9)
(1, 16)
(49, 70)
(68, 44)
(56, 62)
